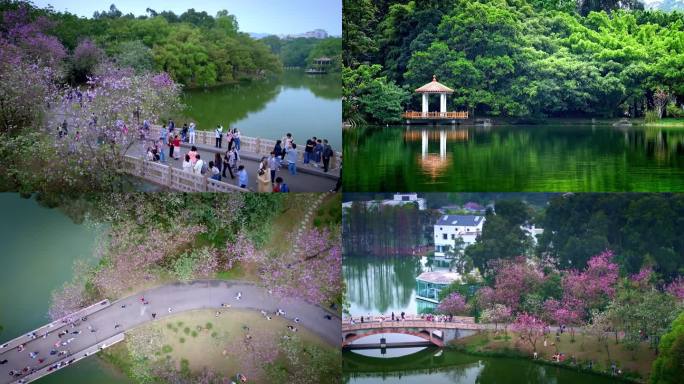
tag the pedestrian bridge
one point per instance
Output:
(431, 330)
(170, 174)
(105, 323)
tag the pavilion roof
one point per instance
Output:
(434, 87)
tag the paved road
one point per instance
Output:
(302, 182)
(180, 297)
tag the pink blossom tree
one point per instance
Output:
(569, 313)
(529, 328)
(643, 278)
(676, 288)
(498, 313)
(133, 255)
(312, 274)
(85, 59)
(514, 279)
(594, 286)
(453, 305)
(104, 120)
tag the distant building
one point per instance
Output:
(451, 227)
(315, 34)
(473, 207)
(398, 199)
(533, 231)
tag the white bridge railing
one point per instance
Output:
(255, 145)
(174, 178)
(384, 321)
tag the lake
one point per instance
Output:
(304, 105)
(38, 248)
(507, 158)
(380, 285)
(443, 366)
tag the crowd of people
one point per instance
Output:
(317, 153)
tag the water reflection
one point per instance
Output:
(514, 158)
(293, 102)
(383, 285)
(432, 366)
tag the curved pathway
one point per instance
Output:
(130, 312)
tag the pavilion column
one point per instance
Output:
(442, 102)
(425, 103)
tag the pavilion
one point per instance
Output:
(320, 66)
(434, 87)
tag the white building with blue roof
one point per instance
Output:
(451, 227)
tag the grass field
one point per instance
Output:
(637, 362)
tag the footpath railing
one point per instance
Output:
(257, 145)
(72, 358)
(409, 321)
(174, 178)
(51, 327)
(435, 115)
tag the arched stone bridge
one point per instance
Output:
(436, 333)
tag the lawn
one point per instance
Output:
(197, 339)
(584, 348)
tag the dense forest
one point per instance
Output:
(301, 52)
(520, 58)
(382, 230)
(195, 48)
(642, 229)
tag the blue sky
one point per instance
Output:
(263, 16)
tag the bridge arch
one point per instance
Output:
(424, 334)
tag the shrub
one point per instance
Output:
(673, 110)
(167, 349)
(651, 117)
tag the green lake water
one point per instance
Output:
(549, 158)
(304, 105)
(435, 366)
(381, 285)
(38, 247)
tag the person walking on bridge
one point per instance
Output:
(291, 156)
(327, 155)
(191, 132)
(218, 135)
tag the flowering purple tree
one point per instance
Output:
(676, 288)
(28, 69)
(594, 286)
(529, 328)
(513, 279)
(131, 255)
(86, 58)
(103, 121)
(569, 313)
(312, 274)
(30, 37)
(643, 278)
(498, 313)
(454, 304)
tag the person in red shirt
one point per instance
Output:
(176, 147)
